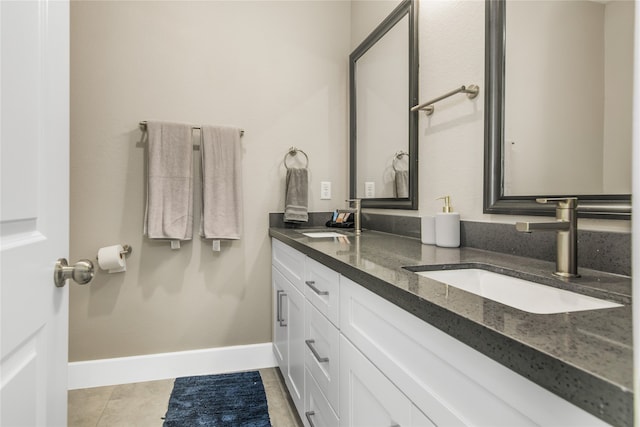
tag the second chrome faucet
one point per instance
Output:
(566, 228)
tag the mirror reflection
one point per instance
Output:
(568, 97)
(384, 132)
(382, 120)
(558, 106)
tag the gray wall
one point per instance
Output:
(276, 69)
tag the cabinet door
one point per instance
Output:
(280, 342)
(289, 336)
(294, 320)
(368, 398)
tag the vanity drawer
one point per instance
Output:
(322, 288)
(322, 354)
(316, 407)
(289, 262)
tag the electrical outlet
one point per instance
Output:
(325, 190)
(369, 190)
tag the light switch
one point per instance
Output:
(369, 190)
(325, 190)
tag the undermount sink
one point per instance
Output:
(322, 234)
(517, 293)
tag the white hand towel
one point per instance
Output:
(296, 198)
(169, 208)
(221, 183)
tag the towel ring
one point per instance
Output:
(293, 151)
(399, 155)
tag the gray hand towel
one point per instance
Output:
(168, 212)
(402, 184)
(296, 195)
(221, 183)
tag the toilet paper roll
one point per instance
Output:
(112, 259)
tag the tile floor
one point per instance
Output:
(144, 404)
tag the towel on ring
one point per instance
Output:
(221, 183)
(169, 209)
(402, 184)
(296, 199)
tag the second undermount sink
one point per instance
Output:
(322, 234)
(517, 293)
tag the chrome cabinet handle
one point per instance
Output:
(309, 414)
(315, 352)
(278, 305)
(81, 272)
(281, 320)
(311, 283)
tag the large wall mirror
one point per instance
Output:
(558, 106)
(383, 132)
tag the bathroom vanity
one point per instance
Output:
(363, 341)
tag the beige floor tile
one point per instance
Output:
(86, 405)
(139, 404)
(145, 404)
(281, 408)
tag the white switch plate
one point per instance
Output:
(325, 190)
(369, 190)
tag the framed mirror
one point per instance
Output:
(558, 106)
(383, 86)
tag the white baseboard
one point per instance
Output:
(124, 370)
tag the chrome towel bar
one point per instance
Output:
(143, 127)
(471, 91)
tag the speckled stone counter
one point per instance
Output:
(584, 357)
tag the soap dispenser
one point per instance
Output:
(447, 226)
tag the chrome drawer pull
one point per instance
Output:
(311, 283)
(315, 352)
(279, 317)
(309, 414)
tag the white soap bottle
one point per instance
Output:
(447, 226)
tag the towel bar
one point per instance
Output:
(471, 91)
(143, 127)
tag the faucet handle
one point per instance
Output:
(563, 202)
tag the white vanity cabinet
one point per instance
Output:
(287, 275)
(355, 359)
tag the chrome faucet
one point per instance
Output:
(566, 226)
(356, 211)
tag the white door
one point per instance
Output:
(34, 211)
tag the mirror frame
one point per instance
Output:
(406, 7)
(495, 202)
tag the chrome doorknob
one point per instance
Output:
(81, 272)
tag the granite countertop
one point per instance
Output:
(585, 357)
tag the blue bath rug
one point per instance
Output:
(226, 400)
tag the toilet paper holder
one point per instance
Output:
(126, 250)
